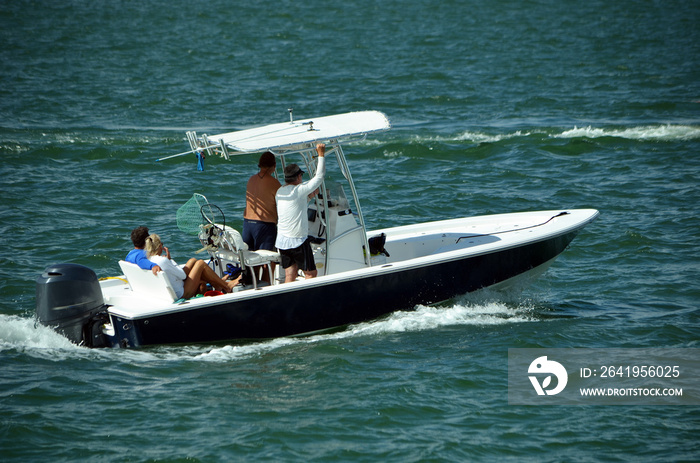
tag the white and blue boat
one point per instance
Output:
(362, 274)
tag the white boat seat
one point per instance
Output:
(260, 257)
(145, 283)
(250, 258)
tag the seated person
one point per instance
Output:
(189, 279)
(138, 255)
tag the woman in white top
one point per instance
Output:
(186, 280)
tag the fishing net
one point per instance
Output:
(189, 215)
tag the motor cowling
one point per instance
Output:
(68, 298)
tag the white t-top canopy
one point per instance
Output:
(291, 135)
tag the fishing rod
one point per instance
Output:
(201, 148)
(252, 136)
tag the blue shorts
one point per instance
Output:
(259, 235)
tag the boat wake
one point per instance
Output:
(662, 132)
(653, 132)
(22, 335)
(462, 312)
(478, 137)
(19, 333)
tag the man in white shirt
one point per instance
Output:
(292, 220)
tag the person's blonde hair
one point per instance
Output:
(153, 242)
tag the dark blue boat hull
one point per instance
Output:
(339, 303)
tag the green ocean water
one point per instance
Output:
(496, 107)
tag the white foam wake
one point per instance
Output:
(650, 132)
(18, 333)
(23, 335)
(462, 313)
(478, 137)
(662, 132)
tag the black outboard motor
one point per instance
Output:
(69, 298)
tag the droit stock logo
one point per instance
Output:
(541, 366)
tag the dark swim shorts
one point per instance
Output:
(303, 256)
(259, 235)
